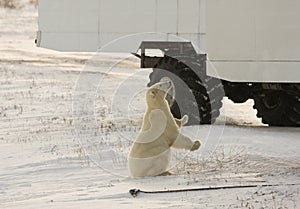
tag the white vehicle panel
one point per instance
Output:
(127, 16)
(268, 72)
(257, 40)
(167, 8)
(189, 16)
(90, 25)
(262, 36)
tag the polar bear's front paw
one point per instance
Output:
(196, 146)
(184, 119)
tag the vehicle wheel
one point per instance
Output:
(238, 93)
(277, 108)
(193, 93)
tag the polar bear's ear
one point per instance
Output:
(152, 93)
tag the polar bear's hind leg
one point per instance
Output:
(151, 166)
(166, 173)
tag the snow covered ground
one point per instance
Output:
(57, 153)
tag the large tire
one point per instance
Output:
(277, 108)
(196, 94)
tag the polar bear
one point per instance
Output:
(150, 154)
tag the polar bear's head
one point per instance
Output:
(156, 94)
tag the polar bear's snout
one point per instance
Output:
(165, 85)
(168, 84)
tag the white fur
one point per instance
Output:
(150, 154)
(158, 121)
(152, 166)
